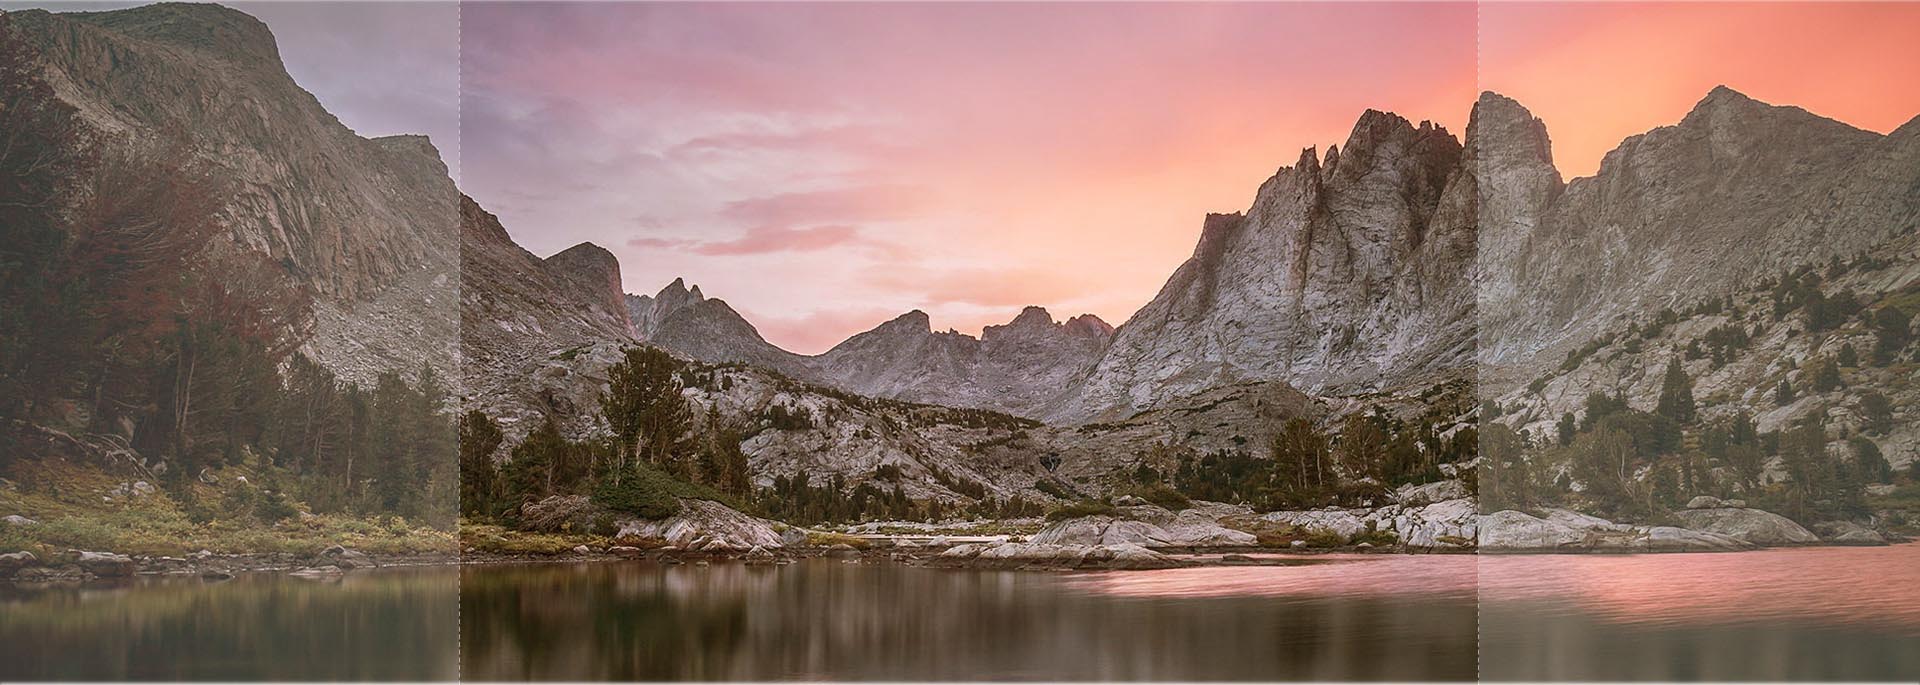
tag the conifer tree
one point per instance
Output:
(1676, 395)
(648, 416)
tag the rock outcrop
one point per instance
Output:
(1062, 557)
(1762, 528)
(1444, 525)
(364, 225)
(703, 526)
(1146, 526)
(1566, 531)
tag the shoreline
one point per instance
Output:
(220, 568)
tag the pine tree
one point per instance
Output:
(1363, 447)
(648, 416)
(1676, 395)
(1826, 376)
(1847, 357)
(1565, 429)
(1783, 393)
(479, 479)
(1876, 412)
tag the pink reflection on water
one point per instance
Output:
(1330, 575)
(1854, 585)
(1873, 585)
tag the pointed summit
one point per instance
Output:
(1502, 131)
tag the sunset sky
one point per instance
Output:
(826, 167)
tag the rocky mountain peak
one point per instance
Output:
(915, 322)
(1090, 326)
(221, 32)
(1032, 317)
(595, 271)
(1502, 131)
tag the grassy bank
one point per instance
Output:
(82, 507)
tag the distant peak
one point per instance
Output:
(1724, 99)
(914, 321)
(1090, 324)
(1032, 315)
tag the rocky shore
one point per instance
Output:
(81, 566)
(1132, 535)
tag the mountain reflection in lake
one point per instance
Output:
(1791, 614)
(827, 620)
(396, 624)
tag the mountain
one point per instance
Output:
(1347, 274)
(1018, 368)
(1402, 258)
(364, 225)
(1737, 191)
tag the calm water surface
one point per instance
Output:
(1806, 614)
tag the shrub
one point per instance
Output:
(1324, 539)
(1377, 538)
(1052, 488)
(274, 508)
(1082, 508)
(640, 491)
(1165, 497)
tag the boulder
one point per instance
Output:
(1671, 539)
(1132, 558)
(1705, 502)
(1147, 526)
(842, 550)
(714, 526)
(793, 537)
(1750, 525)
(1848, 533)
(1036, 555)
(758, 555)
(216, 574)
(18, 520)
(1513, 531)
(316, 572)
(103, 564)
(624, 551)
(582, 549)
(1570, 531)
(346, 558)
(1342, 522)
(14, 561)
(1430, 493)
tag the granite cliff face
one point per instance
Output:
(525, 323)
(1737, 191)
(1348, 274)
(365, 225)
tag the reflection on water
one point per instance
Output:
(1797, 614)
(1849, 613)
(386, 625)
(826, 620)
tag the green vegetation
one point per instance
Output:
(653, 459)
(1085, 507)
(225, 517)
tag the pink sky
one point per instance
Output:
(827, 167)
